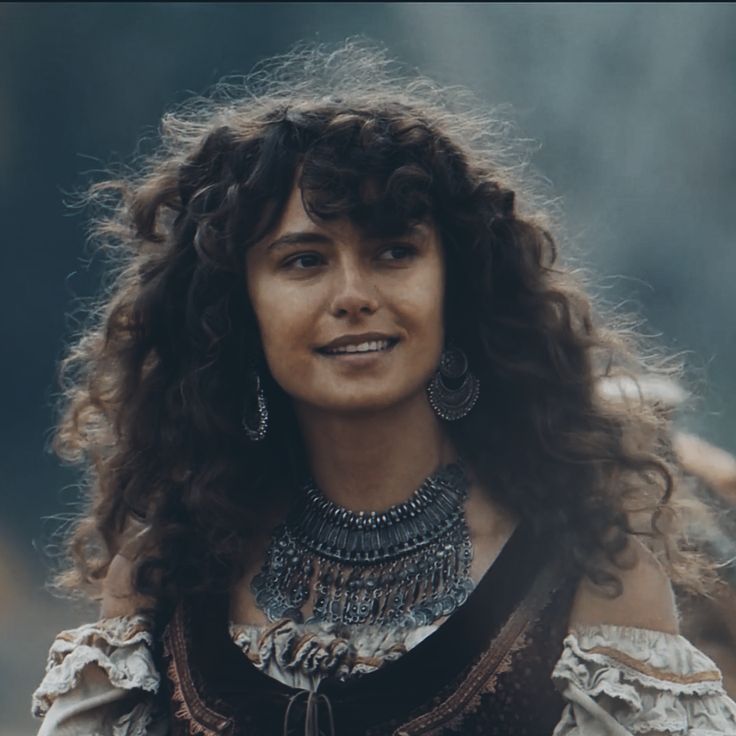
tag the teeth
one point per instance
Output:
(363, 347)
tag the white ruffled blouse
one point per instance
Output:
(616, 680)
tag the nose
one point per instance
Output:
(354, 293)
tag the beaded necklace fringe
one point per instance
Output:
(406, 566)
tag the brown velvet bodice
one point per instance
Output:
(486, 670)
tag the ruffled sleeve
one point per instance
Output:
(620, 680)
(101, 679)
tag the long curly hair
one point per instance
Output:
(154, 384)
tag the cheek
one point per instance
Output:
(283, 320)
(425, 302)
(434, 309)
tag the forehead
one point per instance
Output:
(295, 217)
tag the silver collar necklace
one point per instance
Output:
(406, 566)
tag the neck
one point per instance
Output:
(371, 461)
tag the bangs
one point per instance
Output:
(380, 187)
(373, 167)
(385, 169)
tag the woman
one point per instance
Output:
(348, 467)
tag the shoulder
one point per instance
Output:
(646, 600)
(119, 597)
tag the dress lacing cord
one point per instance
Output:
(311, 716)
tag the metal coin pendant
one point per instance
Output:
(408, 565)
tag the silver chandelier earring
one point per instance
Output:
(256, 430)
(454, 401)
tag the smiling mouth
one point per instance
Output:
(368, 347)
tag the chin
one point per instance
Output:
(368, 402)
(346, 406)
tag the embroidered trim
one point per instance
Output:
(656, 672)
(374, 662)
(496, 660)
(268, 631)
(105, 634)
(199, 719)
(118, 646)
(329, 655)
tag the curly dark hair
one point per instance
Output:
(153, 387)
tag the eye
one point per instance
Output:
(405, 251)
(312, 259)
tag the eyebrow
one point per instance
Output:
(308, 236)
(305, 236)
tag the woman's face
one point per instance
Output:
(312, 284)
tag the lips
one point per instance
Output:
(364, 342)
(369, 346)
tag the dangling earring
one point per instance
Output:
(259, 432)
(453, 403)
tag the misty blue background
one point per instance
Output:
(630, 108)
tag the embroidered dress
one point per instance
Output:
(486, 669)
(503, 663)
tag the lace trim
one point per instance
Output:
(325, 648)
(656, 672)
(120, 646)
(115, 632)
(648, 681)
(654, 659)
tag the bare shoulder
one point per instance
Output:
(119, 597)
(646, 600)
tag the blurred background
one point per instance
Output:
(630, 107)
